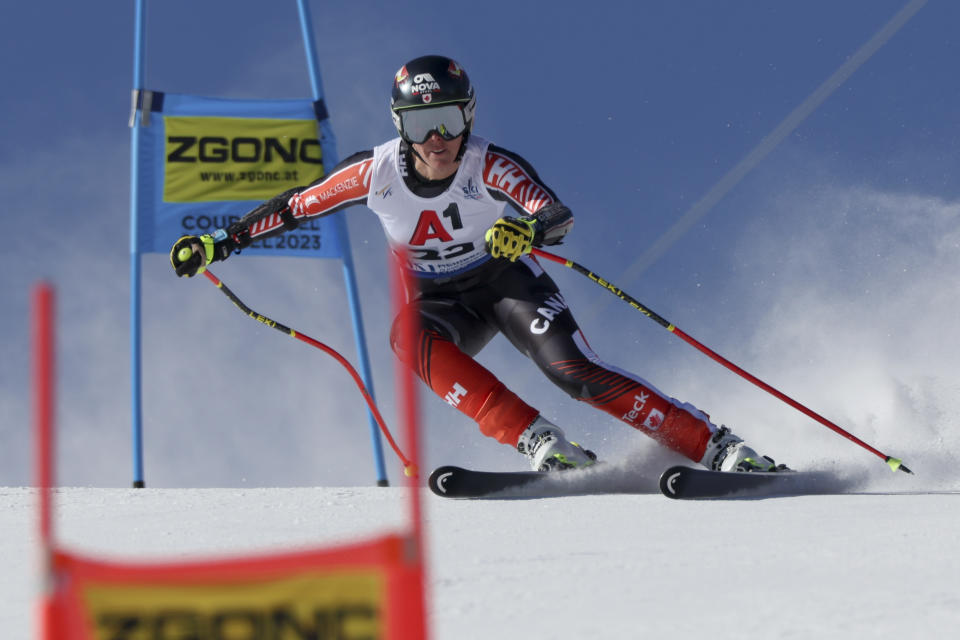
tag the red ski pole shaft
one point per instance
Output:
(894, 463)
(408, 466)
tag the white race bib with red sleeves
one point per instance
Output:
(443, 235)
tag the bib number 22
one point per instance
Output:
(430, 227)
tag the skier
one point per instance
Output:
(440, 193)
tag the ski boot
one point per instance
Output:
(728, 452)
(548, 449)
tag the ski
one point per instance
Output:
(601, 478)
(680, 482)
(456, 482)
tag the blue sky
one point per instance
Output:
(829, 270)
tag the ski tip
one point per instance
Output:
(671, 482)
(440, 477)
(411, 471)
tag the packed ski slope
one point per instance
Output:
(879, 562)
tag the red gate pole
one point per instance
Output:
(44, 394)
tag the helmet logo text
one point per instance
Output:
(424, 84)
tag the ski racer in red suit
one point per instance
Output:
(440, 192)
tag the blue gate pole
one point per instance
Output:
(135, 340)
(329, 161)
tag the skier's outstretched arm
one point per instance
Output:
(342, 187)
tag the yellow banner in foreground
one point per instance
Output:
(210, 159)
(368, 590)
(337, 604)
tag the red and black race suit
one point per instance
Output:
(463, 297)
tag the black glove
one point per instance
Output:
(190, 255)
(554, 221)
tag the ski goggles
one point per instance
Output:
(416, 125)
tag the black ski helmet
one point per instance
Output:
(432, 81)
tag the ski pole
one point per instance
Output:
(894, 463)
(409, 468)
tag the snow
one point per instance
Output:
(874, 563)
